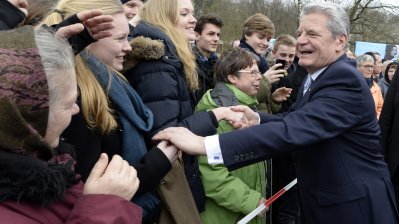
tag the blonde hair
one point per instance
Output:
(284, 39)
(94, 100)
(164, 14)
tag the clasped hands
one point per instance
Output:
(185, 140)
(238, 116)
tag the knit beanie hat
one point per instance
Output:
(24, 97)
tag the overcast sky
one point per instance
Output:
(393, 2)
(345, 2)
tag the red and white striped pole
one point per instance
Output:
(267, 203)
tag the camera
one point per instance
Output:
(281, 61)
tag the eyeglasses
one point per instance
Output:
(369, 67)
(253, 73)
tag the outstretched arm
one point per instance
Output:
(183, 139)
(85, 28)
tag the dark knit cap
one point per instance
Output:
(24, 97)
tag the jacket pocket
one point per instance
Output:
(340, 194)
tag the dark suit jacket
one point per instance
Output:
(342, 177)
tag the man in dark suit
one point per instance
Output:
(332, 130)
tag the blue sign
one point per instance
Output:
(387, 51)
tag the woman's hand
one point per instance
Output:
(169, 150)
(262, 201)
(251, 117)
(116, 178)
(98, 25)
(225, 113)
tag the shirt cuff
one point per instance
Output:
(213, 151)
(258, 121)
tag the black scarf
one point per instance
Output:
(28, 179)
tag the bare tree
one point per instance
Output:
(370, 20)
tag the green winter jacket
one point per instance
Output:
(230, 195)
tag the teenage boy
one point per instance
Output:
(207, 34)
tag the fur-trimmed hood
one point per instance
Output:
(148, 43)
(143, 48)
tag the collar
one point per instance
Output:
(317, 73)
(212, 56)
(242, 97)
(244, 44)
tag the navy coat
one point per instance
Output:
(342, 176)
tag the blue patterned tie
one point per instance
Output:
(307, 84)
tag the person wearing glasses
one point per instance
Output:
(331, 128)
(365, 64)
(232, 195)
(257, 31)
(165, 77)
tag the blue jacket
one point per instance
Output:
(342, 177)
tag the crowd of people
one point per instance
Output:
(123, 111)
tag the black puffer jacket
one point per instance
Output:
(162, 86)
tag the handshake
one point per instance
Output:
(238, 116)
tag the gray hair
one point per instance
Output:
(56, 55)
(361, 59)
(338, 22)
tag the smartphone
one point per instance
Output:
(281, 61)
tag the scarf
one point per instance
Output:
(211, 60)
(29, 179)
(134, 116)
